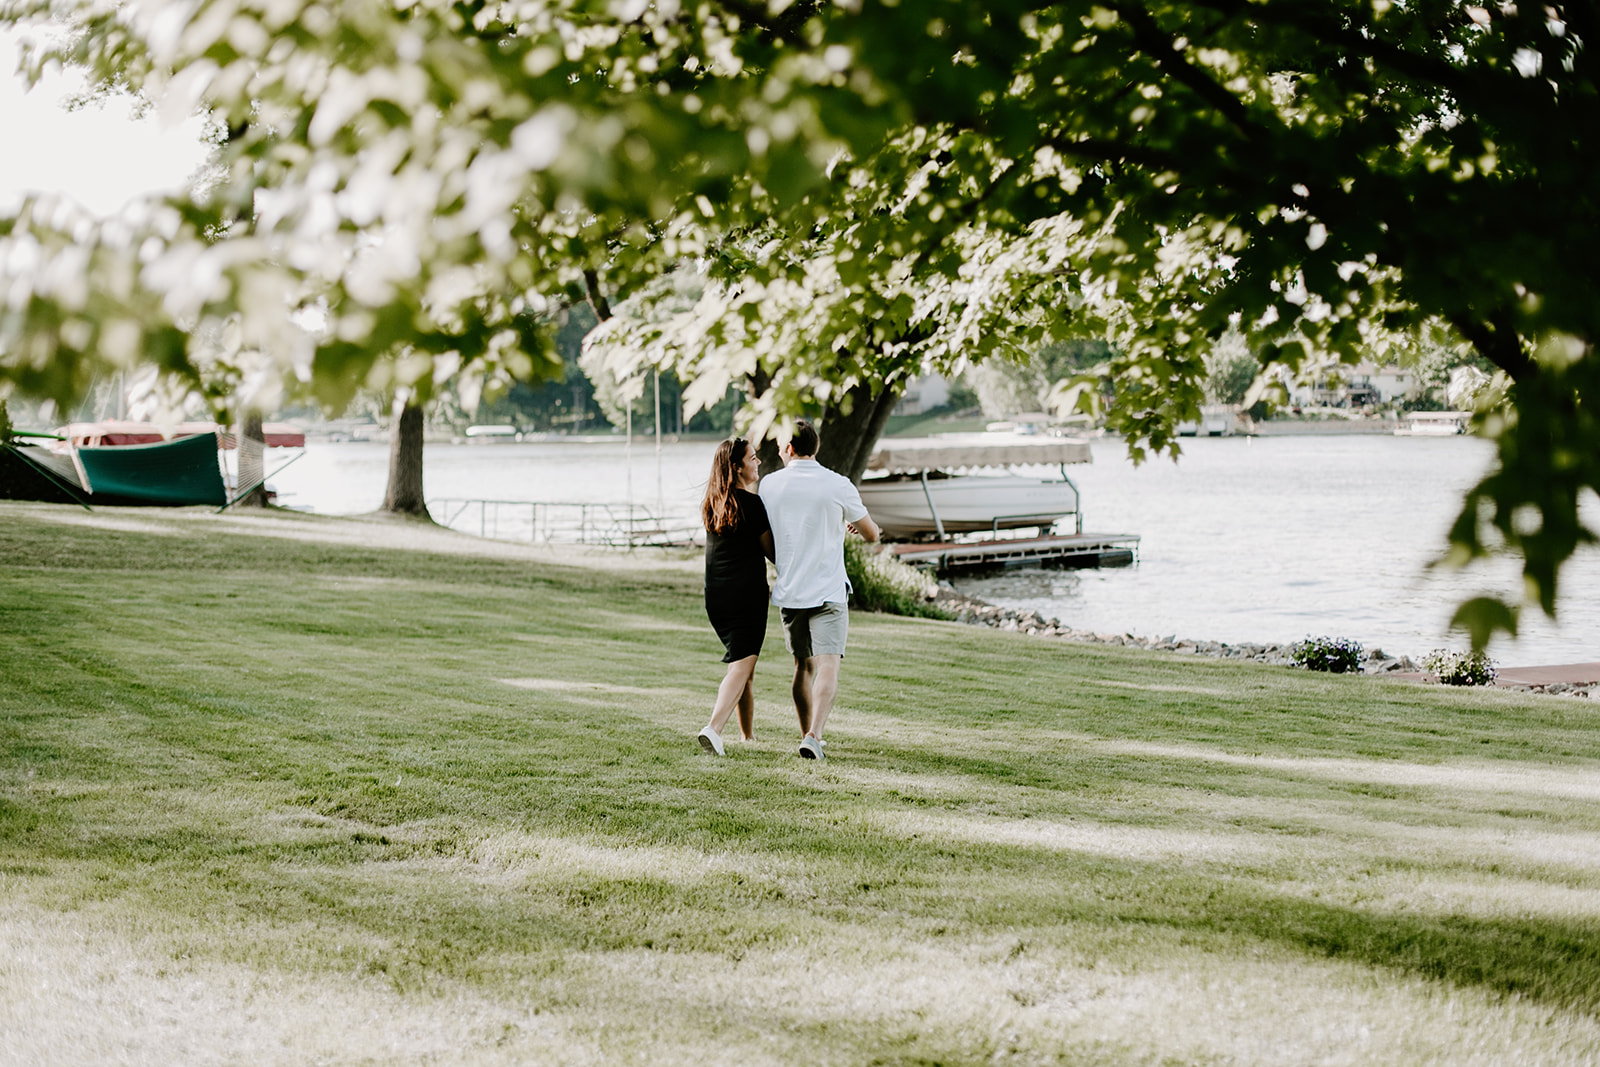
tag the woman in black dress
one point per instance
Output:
(738, 545)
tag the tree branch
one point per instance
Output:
(1157, 43)
(1103, 151)
(787, 27)
(1315, 22)
(1496, 340)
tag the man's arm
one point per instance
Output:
(850, 500)
(866, 528)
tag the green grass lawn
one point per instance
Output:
(286, 789)
(939, 421)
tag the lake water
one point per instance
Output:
(1245, 539)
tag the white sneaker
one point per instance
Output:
(711, 741)
(811, 748)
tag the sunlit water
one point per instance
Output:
(1245, 539)
(349, 478)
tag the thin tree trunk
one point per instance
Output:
(250, 446)
(404, 495)
(597, 299)
(251, 454)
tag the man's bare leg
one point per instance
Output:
(804, 670)
(824, 687)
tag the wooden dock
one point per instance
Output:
(1067, 550)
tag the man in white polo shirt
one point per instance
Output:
(809, 506)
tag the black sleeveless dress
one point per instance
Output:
(736, 580)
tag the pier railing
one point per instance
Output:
(563, 522)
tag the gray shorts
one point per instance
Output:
(811, 632)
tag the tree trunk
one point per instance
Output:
(251, 453)
(767, 448)
(404, 495)
(849, 439)
(767, 453)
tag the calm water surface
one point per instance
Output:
(349, 478)
(1245, 539)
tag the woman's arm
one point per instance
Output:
(767, 548)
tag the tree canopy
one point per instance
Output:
(874, 186)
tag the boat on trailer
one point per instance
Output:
(917, 487)
(960, 501)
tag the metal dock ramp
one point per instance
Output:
(1067, 550)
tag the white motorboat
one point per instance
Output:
(1434, 424)
(489, 433)
(916, 489)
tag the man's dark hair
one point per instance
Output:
(804, 440)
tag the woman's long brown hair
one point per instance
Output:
(720, 510)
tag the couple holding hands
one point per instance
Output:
(797, 518)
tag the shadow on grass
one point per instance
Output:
(1552, 962)
(1549, 960)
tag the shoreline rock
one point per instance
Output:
(975, 612)
(1553, 689)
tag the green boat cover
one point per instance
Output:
(174, 473)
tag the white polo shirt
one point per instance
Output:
(808, 505)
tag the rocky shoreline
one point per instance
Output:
(1374, 661)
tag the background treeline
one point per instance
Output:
(571, 404)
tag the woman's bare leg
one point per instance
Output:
(734, 685)
(747, 707)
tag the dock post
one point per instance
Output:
(927, 494)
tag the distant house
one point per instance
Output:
(1392, 383)
(925, 393)
(1363, 385)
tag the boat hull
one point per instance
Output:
(966, 504)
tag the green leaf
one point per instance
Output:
(1482, 617)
